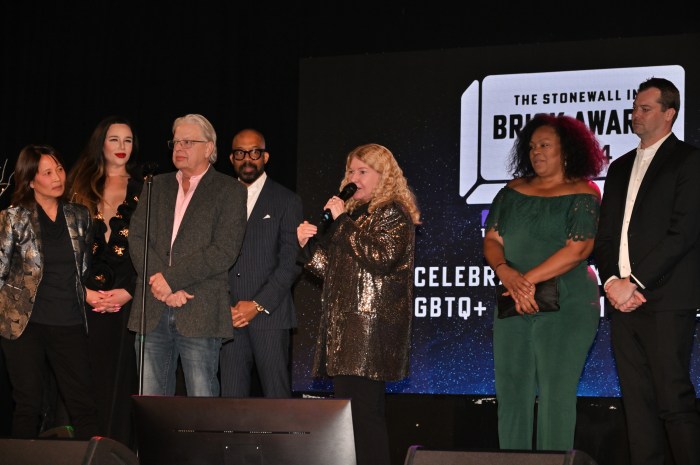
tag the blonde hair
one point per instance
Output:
(392, 187)
(208, 131)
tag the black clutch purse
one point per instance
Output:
(546, 296)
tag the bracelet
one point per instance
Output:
(496, 267)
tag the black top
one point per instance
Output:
(56, 300)
(359, 211)
(111, 266)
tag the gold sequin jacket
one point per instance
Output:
(21, 264)
(367, 271)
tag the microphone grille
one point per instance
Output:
(348, 191)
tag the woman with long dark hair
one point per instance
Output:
(106, 181)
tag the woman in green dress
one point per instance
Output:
(541, 225)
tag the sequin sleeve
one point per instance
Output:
(318, 262)
(377, 241)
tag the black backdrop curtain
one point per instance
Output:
(66, 65)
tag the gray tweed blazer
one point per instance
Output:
(207, 244)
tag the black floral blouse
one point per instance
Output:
(111, 266)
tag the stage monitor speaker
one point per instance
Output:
(417, 455)
(96, 451)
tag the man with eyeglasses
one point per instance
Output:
(262, 308)
(196, 230)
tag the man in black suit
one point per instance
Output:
(648, 254)
(262, 307)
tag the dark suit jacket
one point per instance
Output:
(207, 244)
(664, 229)
(267, 266)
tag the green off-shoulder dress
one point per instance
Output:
(543, 355)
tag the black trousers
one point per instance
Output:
(652, 353)
(65, 349)
(113, 369)
(265, 349)
(368, 400)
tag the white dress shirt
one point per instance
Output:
(254, 192)
(639, 169)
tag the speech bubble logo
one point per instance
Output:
(601, 98)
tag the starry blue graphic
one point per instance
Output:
(410, 102)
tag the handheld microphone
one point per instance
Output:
(344, 194)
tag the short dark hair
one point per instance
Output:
(670, 96)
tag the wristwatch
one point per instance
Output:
(259, 308)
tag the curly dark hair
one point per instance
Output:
(583, 157)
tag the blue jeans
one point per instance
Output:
(199, 357)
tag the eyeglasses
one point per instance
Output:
(254, 154)
(184, 143)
